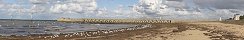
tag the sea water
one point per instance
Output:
(51, 27)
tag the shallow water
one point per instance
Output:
(23, 28)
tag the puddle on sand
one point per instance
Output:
(191, 35)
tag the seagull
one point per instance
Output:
(65, 35)
(94, 33)
(105, 32)
(39, 36)
(45, 37)
(88, 35)
(56, 35)
(70, 35)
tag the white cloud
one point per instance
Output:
(176, 9)
(184, 9)
(74, 6)
(38, 1)
(40, 8)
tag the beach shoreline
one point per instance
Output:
(168, 31)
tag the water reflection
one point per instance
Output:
(23, 28)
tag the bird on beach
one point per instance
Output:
(39, 36)
(70, 35)
(65, 35)
(51, 37)
(45, 37)
(56, 35)
(110, 31)
(105, 32)
(88, 35)
(94, 33)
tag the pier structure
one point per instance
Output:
(113, 21)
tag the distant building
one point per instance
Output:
(236, 17)
(220, 18)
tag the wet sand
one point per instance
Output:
(172, 31)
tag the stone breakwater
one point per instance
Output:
(113, 21)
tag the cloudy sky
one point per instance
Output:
(220, 4)
(166, 9)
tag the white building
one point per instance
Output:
(237, 17)
(220, 18)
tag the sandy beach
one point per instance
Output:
(170, 31)
(183, 31)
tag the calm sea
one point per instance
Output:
(25, 27)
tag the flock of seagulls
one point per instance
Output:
(95, 33)
(90, 33)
